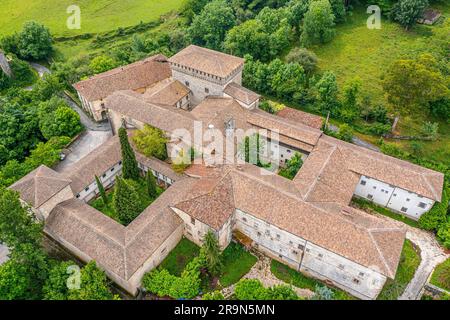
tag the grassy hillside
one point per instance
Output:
(96, 16)
(358, 51)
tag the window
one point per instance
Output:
(288, 151)
(258, 233)
(369, 196)
(422, 205)
(394, 194)
(186, 83)
(341, 266)
(382, 190)
(301, 247)
(361, 274)
(112, 169)
(206, 90)
(356, 281)
(120, 162)
(363, 182)
(407, 199)
(320, 255)
(278, 237)
(78, 195)
(87, 189)
(294, 252)
(374, 187)
(104, 175)
(403, 209)
(193, 221)
(244, 219)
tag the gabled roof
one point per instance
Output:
(298, 116)
(208, 61)
(241, 93)
(285, 127)
(140, 74)
(40, 185)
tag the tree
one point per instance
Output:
(210, 26)
(414, 83)
(64, 121)
(101, 64)
(307, 59)
(211, 251)
(250, 289)
(338, 7)
(46, 87)
(55, 287)
(318, 24)
(126, 201)
(94, 285)
(213, 295)
(288, 80)
(327, 90)
(151, 184)
(282, 292)
(406, 12)
(345, 133)
(350, 103)
(130, 169)
(34, 41)
(292, 166)
(443, 235)
(151, 142)
(26, 271)
(101, 190)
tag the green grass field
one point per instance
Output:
(96, 16)
(180, 256)
(441, 275)
(236, 263)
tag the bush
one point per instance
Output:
(252, 289)
(432, 219)
(34, 41)
(345, 133)
(187, 286)
(151, 142)
(214, 295)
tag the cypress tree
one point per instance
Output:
(211, 252)
(151, 184)
(126, 201)
(130, 169)
(101, 189)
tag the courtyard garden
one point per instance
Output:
(409, 262)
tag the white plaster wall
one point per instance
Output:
(409, 203)
(374, 190)
(107, 178)
(358, 280)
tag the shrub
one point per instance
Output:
(432, 219)
(214, 295)
(187, 286)
(345, 133)
(151, 142)
(252, 289)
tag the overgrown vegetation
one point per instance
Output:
(252, 289)
(299, 280)
(180, 256)
(236, 263)
(409, 262)
(441, 275)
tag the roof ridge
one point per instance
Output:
(383, 259)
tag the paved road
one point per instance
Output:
(357, 140)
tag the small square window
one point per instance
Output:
(403, 209)
(407, 199)
(301, 247)
(112, 169)
(374, 187)
(104, 175)
(206, 90)
(186, 83)
(278, 237)
(86, 189)
(361, 274)
(356, 281)
(363, 182)
(288, 151)
(394, 194)
(369, 196)
(341, 266)
(78, 195)
(422, 205)
(320, 255)
(244, 219)
(258, 233)
(192, 221)
(120, 162)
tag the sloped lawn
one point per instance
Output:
(441, 275)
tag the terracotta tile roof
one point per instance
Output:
(168, 119)
(206, 60)
(166, 92)
(119, 250)
(40, 185)
(101, 159)
(134, 76)
(240, 93)
(399, 173)
(285, 127)
(298, 116)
